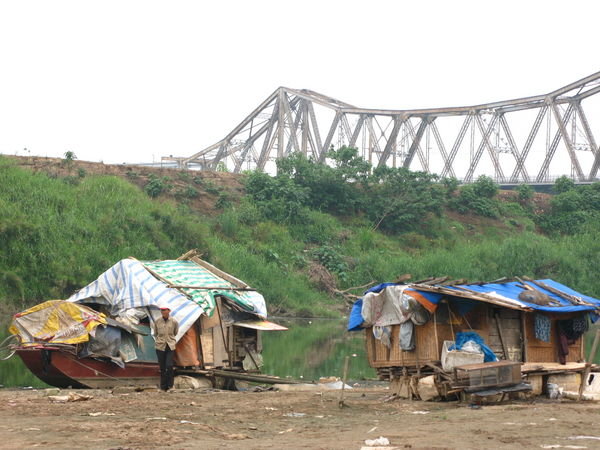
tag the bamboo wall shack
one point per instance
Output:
(410, 328)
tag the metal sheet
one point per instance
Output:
(264, 325)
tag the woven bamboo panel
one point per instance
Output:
(426, 348)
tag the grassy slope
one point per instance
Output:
(57, 235)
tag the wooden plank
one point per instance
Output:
(487, 365)
(218, 272)
(209, 322)
(552, 366)
(206, 340)
(501, 334)
(594, 348)
(221, 288)
(219, 353)
(524, 342)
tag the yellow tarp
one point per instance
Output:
(56, 321)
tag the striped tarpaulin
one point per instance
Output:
(130, 285)
(188, 273)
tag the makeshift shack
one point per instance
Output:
(107, 328)
(418, 329)
(220, 317)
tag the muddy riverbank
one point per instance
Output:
(250, 420)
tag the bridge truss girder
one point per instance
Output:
(481, 139)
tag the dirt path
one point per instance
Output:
(285, 420)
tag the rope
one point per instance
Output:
(450, 320)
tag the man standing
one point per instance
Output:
(165, 330)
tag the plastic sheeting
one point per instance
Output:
(470, 336)
(105, 343)
(56, 321)
(507, 291)
(188, 273)
(512, 291)
(186, 352)
(129, 285)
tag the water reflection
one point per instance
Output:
(12, 371)
(314, 348)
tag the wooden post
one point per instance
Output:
(524, 336)
(501, 334)
(344, 378)
(199, 342)
(584, 376)
(435, 334)
(594, 349)
(588, 366)
(225, 342)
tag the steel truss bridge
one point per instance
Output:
(531, 140)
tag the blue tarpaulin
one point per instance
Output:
(509, 290)
(465, 336)
(512, 291)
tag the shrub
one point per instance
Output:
(485, 187)
(477, 198)
(451, 185)
(223, 201)
(157, 186)
(278, 198)
(183, 175)
(331, 259)
(211, 188)
(525, 193)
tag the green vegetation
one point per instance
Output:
(157, 186)
(356, 223)
(293, 236)
(574, 209)
(56, 238)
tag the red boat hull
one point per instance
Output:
(62, 369)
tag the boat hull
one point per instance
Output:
(62, 369)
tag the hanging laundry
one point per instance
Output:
(407, 336)
(542, 325)
(569, 331)
(383, 334)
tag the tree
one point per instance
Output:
(70, 157)
(563, 184)
(350, 166)
(400, 200)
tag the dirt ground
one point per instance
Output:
(262, 420)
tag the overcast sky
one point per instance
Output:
(131, 81)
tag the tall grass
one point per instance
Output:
(56, 237)
(286, 290)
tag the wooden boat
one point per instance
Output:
(100, 336)
(60, 367)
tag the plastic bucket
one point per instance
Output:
(552, 390)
